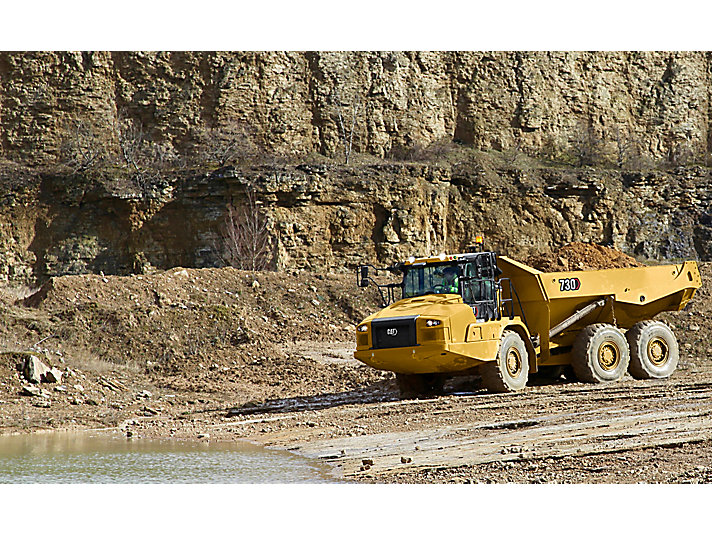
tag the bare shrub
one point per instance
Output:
(586, 145)
(85, 145)
(229, 144)
(625, 146)
(681, 153)
(420, 152)
(629, 152)
(133, 150)
(245, 243)
(144, 159)
(511, 154)
(554, 150)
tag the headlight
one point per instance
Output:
(432, 322)
(363, 328)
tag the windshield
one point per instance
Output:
(428, 279)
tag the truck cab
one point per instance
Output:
(446, 315)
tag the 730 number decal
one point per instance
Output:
(569, 284)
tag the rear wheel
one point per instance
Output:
(510, 370)
(600, 354)
(654, 352)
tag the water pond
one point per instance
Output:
(111, 458)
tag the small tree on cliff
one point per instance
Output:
(84, 145)
(245, 243)
(228, 144)
(346, 130)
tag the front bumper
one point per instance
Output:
(431, 358)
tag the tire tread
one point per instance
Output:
(492, 374)
(636, 368)
(580, 361)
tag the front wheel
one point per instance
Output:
(654, 351)
(600, 354)
(510, 370)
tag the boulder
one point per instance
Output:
(31, 391)
(53, 376)
(34, 369)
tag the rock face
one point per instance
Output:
(609, 110)
(654, 102)
(53, 376)
(322, 218)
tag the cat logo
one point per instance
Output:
(392, 331)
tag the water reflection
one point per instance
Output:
(80, 457)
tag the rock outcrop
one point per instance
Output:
(331, 218)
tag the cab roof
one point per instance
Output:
(441, 258)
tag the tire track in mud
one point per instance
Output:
(543, 422)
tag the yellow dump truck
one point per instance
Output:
(480, 312)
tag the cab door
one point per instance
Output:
(479, 286)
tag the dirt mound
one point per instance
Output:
(581, 257)
(203, 330)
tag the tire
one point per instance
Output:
(414, 386)
(654, 351)
(600, 354)
(510, 370)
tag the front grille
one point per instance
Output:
(394, 332)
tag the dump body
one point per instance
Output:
(629, 296)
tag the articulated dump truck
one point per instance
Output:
(482, 313)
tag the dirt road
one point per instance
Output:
(371, 434)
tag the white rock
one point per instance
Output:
(31, 391)
(53, 376)
(34, 369)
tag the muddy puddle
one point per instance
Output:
(111, 458)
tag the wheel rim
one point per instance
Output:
(514, 362)
(658, 351)
(609, 356)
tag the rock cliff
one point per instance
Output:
(623, 137)
(333, 217)
(627, 104)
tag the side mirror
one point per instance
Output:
(363, 276)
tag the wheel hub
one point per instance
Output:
(658, 351)
(608, 356)
(514, 362)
